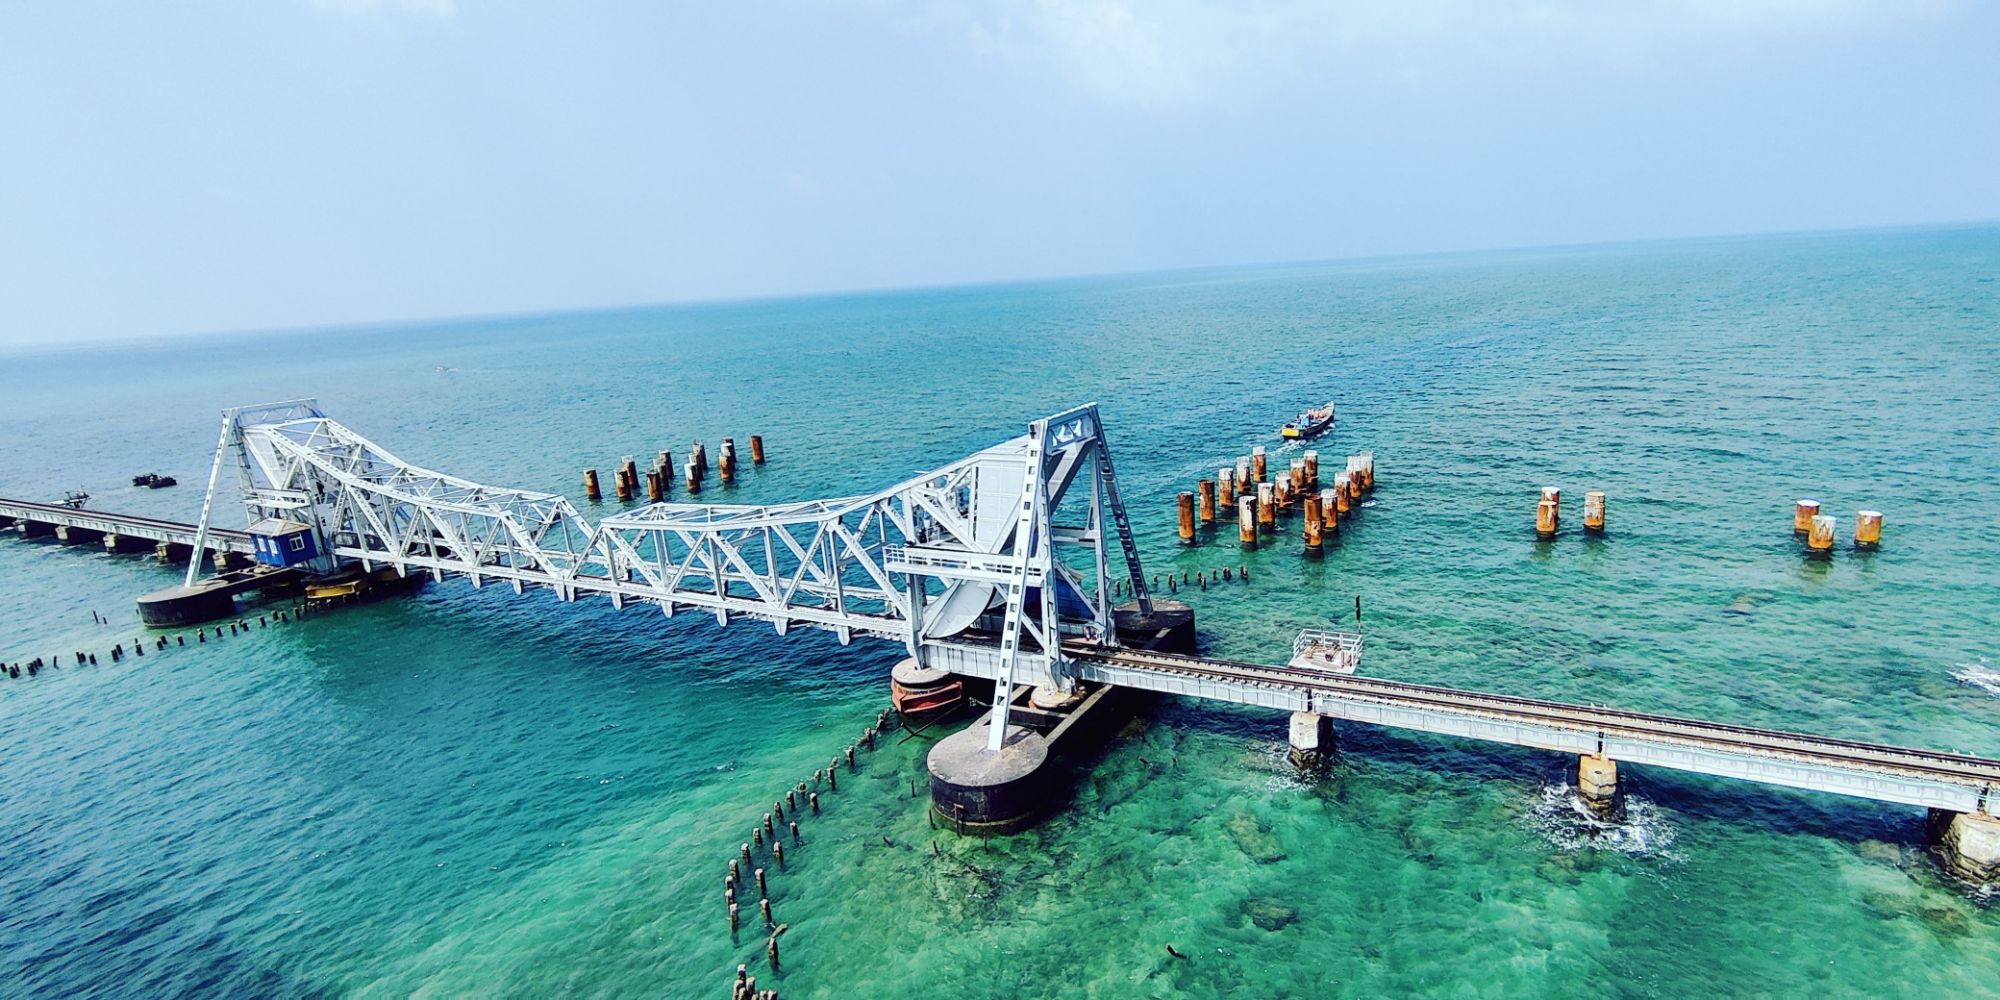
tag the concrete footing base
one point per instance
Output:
(1313, 741)
(1169, 629)
(975, 790)
(1968, 844)
(1597, 784)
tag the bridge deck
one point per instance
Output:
(1928, 778)
(128, 525)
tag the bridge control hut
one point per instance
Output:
(277, 542)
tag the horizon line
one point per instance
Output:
(52, 347)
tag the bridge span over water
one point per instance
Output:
(1000, 565)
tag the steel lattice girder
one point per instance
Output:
(831, 563)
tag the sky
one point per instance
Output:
(209, 165)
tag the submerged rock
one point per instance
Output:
(1881, 850)
(1269, 914)
(1253, 840)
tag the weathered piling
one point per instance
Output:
(1207, 488)
(1819, 539)
(1267, 507)
(624, 484)
(1245, 485)
(1185, 503)
(1868, 530)
(1343, 491)
(1803, 513)
(693, 476)
(756, 449)
(1259, 465)
(727, 464)
(1593, 512)
(1554, 496)
(1329, 512)
(1246, 521)
(665, 464)
(698, 454)
(1313, 525)
(631, 472)
(1225, 488)
(590, 489)
(1312, 470)
(1545, 519)
(1297, 475)
(1597, 784)
(655, 491)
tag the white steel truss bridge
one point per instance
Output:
(1012, 538)
(998, 565)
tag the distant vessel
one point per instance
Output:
(1309, 423)
(154, 480)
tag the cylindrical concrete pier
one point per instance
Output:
(1314, 525)
(1246, 521)
(1868, 530)
(590, 485)
(1259, 465)
(1593, 512)
(1184, 502)
(1267, 507)
(1802, 514)
(1207, 489)
(756, 449)
(1545, 519)
(1819, 536)
(1225, 488)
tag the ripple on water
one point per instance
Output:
(1641, 830)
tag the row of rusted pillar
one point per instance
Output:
(798, 802)
(659, 479)
(1817, 529)
(119, 651)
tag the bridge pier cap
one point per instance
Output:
(989, 539)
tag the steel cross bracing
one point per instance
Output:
(985, 543)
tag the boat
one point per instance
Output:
(154, 480)
(1309, 423)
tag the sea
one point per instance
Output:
(469, 793)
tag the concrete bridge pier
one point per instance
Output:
(1314, 742)
(1597, 784)
(34, 529)
(1968, 844)
(172, 553)
(70, 534)
(115, 543)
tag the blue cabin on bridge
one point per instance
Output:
(283, 543)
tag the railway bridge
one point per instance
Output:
(1000, 566)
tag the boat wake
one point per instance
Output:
(1564, 821)
(1979, 675)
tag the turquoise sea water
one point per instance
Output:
(470, 793)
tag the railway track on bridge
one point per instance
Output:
(1956, 768)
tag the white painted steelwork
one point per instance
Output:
(985, 536)
(963, 566)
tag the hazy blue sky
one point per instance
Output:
(208, 165)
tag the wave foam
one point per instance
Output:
(1562, 818)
